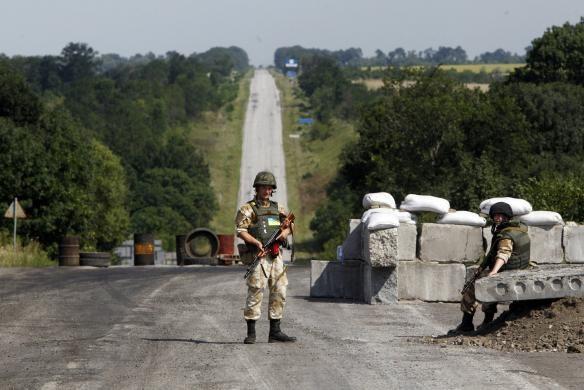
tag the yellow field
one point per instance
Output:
(488, 68)
(477, 68)
(373, 84)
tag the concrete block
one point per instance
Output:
(380, 247)
(352, 246)
(430, 281)
(335, 279)
(546, 244)
(380, 285)
(407, 241)
(450, 243)
(537, 283)
(573, 241)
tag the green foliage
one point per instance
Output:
(563, 193)
(438, 137)
(17, 101)
(556, 56)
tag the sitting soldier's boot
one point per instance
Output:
(276, 335)
(465, 326)
(251, 334)
(489, 316)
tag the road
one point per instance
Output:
(172, 327)
(262, 148)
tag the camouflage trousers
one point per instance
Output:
(276, 280)
(469, 304)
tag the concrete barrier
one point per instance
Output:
(352, 246)
(430, 281)
(336, 279)
(573, 241)
(546, 244)
(407, 242)
(380, 247)
(380, 285)
(539, 283)
(450, 243)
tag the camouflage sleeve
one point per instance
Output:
(243, 219)
(504, 249)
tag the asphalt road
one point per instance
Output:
(262, 148)
(171, 327)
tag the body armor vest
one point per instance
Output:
(267, 220)
(519, 259)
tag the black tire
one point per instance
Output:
(94, 259)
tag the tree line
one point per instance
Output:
(96, 145)
(522, 138)
(353, 57)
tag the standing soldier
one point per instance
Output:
(510, 249)
(255, 222)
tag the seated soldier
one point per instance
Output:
(509, 250)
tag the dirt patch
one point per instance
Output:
(552, 326)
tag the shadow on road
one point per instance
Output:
(194, 341)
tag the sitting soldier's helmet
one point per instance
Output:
(501, 208)
(265, 178)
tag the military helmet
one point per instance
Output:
(265, 178)
(501, 208)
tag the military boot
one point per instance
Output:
(276, 335)
(466, 326)
(489, 316)
(251, 334)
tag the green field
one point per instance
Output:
(310, 164)
(219, 137)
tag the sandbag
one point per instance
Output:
(377, 221)
(462, 218)
(383, 210)
(519, 206)
(406, 217)
(378, 199)
(429, 203)
(541, 218)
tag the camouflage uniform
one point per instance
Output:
(510, 244)
(270, 272)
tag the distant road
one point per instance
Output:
(262, 138)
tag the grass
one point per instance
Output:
(310, 164)
(219, 137)
(30, 255)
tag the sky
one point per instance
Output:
(127, 27)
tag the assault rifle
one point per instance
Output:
(474, 277)
(267, 246)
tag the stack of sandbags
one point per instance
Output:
(380, 212)
(519, 206)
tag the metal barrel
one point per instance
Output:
(94, 259)
(226, 244)
(69, 251)
(202, 242)
(143, 249)
(180, 249)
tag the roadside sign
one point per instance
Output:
(14, 210)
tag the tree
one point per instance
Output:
(79, 62)
(17, 101)
(558, 55)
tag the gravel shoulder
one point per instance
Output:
(171, 327)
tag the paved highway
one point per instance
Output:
(262, 148)
(179, 328)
